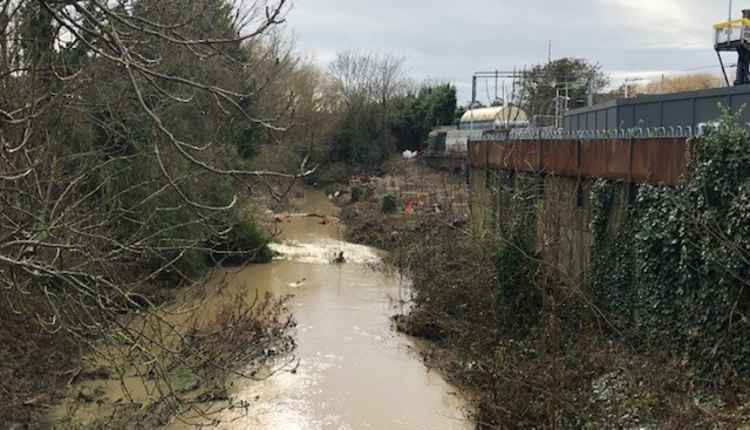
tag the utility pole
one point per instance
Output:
(549, 52)
(473, 91)
(557, 107)
(496, 80)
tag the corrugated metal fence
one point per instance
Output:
(685, 109)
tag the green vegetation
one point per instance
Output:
(415, 114)
(389, 204)
(680, 271)
(133, 135)
(245, 242)
(658, 339)
(410, 117)
(378, 113)
(129, 148)
(576, 76)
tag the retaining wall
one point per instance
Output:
(556, 176)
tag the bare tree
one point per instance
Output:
(389, 78)
(352, 76)
(115, 171)
(367, 77)
(363, 85)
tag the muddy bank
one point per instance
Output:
(379, 211)
(193, 342)
(36, 365)
(41, 367)
(210, 335)
(529, 351)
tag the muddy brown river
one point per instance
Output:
(355, 371)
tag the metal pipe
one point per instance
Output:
(723, 69)
(473, 91)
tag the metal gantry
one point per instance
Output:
(516, 76)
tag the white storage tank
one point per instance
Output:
(491, 118)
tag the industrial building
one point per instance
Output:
(688, 109)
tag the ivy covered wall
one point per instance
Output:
(669, 267)
(674, 273)
(552, 213)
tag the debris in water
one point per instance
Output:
(339, 259)
(324, 219)
(297, 284)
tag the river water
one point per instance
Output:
(355, 372)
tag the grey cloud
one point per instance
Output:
(450, 40)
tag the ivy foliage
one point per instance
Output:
(518, 301)
(612, 254)
(676, 273)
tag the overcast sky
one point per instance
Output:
(449, 40)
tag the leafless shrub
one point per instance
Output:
(119, 169)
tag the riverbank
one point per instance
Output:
(531, 352)
(379, 210)
(184, 340)
(39, 366)
(211, 334)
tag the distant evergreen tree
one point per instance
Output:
(542, 82)
(416, 114)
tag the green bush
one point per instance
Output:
(389, 204)
(332, 174)
(519, 301)
(357, 194)
(246, 243)
(678, 269)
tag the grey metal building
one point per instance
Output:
(666, 110)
